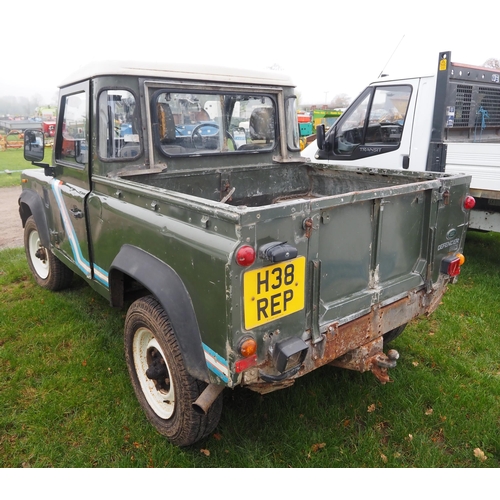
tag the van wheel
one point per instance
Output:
(160, 379)
(393, 334)
(48, 270)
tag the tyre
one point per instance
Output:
(48, 270)
(160, 379)
(393, 334)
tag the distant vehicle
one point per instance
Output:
(49, 128)
(446, 122)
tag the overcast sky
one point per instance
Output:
(328, 47)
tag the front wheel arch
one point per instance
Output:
(30, 204)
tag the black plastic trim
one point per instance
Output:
(34, 202)
(166, 285)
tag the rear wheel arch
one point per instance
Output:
(160, 280)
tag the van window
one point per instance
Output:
(377, 119)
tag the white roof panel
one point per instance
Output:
(178, 71)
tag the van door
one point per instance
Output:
(376, 130)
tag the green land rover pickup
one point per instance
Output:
(179, 192)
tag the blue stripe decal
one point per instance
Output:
(82, 263)
(216, 363)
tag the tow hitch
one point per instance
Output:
(381, 362)
(369, 357)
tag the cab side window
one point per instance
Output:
(118, 127)
(377, 119)
(350, 130)
(73, 148)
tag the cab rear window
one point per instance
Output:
(199, 123)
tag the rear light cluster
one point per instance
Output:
(451, 265)
(248, 349)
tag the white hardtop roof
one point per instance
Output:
(178, 71)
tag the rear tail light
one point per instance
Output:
(451, 265)
(469, 202)
(248, 349)
(245, 256)
(245, 363)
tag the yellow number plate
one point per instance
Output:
(273, 292)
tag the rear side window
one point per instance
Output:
(118, 128)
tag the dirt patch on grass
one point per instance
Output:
(11, 232)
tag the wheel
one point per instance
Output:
(392, 334)
(48, 270)
(160, 379)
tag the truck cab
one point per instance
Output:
(446, 122)
(383, 127)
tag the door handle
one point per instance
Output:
(406, 162)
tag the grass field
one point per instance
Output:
(13, 161)
(67, 402)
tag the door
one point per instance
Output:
(70, 186)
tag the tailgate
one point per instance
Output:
(368, 248)
(355, 251)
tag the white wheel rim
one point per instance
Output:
(41, 266)
(160, 399)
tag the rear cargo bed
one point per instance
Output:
(261, 185)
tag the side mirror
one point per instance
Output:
(34, 145)
(320, 136)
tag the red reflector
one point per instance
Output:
(454, 267)
(469, 202)
(451, 265)
(243, 364)
(245, 256)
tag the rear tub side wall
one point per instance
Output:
(197, 251)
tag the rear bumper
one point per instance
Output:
(338, 339)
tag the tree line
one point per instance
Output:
(20, 105)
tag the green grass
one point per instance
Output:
(67, 402)
(13, 161)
